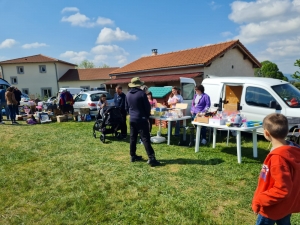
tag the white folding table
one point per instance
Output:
(184, 118)
(238, 136)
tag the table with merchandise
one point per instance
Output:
(238, 130)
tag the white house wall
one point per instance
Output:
(62, 69)
(90, 84)
(32, 79)
(231, 64)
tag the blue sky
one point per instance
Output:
(119, 32)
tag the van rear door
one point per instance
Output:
(214, 91)
(187, 86)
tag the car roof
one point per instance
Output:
(94, 92)
(248, 80)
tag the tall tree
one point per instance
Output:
(269, 69)
(296, 75)
(85, 64)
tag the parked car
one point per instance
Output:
(51, 99)
(90, 99)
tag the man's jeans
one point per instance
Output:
(261, 220)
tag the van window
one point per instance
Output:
(289, 94)
(188, 91)
(258, 97)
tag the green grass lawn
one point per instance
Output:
(58, 173)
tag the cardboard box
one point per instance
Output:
(201, 119)
(217, 121)
(62, 118)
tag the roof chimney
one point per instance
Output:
(154, 51)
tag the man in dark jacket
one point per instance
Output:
(119, 100)
(18, 95)
(138, 106)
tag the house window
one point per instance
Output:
(46, 92)
(42, 68)
(20, 69)
(14, 80)
(85, 87)
(25, 91)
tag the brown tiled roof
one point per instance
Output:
(190, 57)
(87, 74)
(155, 79)
(35, 59)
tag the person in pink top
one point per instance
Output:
(151, 100)
(153, 104)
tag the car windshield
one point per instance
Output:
(95, 97)
(289, 94)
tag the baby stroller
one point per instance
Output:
(108, 121)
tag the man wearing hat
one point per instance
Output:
(138, 106)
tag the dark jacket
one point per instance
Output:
(2, 96)
(119, 101)
(137, 105)
(18, 95)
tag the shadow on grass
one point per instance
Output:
(247, 152)
(213, 161)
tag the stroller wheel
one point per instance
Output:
(102, 138)
(94, 134)
(117, 134)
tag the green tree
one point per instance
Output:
(271, 70)
(296, 75)
(85, 64)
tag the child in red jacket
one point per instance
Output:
(277, 195)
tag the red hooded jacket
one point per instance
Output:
(278, 190)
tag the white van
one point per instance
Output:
(255, 97)
(187, 91)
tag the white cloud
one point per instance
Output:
(107, 49)
(226, 34)
(75, 57)
(7, 43)
(271, 27)
(258, 10)
(256, 31)
(70, 9)
(121, 59)
(82, 20)
(34, 45)
(99, 55)
(78, 20)
(108, 35)
(104, 21)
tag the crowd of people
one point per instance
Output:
(277, 195)
(10, 101)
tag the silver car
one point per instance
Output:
(89, 99)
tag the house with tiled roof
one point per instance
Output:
(35, 75)
(86, 78)
(229, 58)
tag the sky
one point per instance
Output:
(117, 32)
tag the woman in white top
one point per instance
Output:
(175, 98)
(102, 102)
